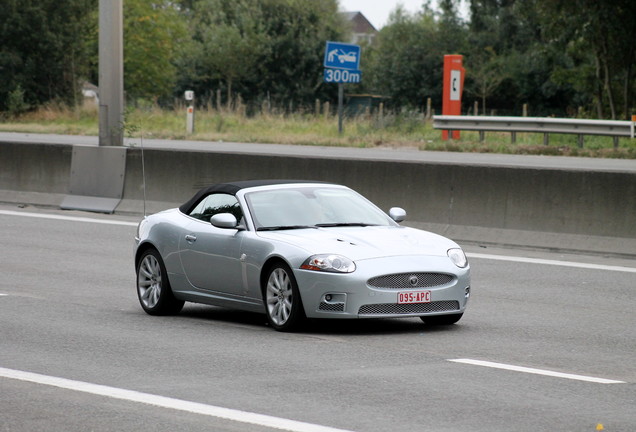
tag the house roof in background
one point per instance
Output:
(360, 23)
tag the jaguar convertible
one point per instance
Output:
(297, 250)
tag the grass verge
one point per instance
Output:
(393, 131)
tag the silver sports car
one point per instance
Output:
(297, 250)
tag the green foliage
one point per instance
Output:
(298, 31)
(562, 57)
(229, 42)
(261, 49)
(405, 63)
(597, 38)
(15, 102)
(153, 34)
(41, 50)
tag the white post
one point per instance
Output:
(189, 96)
(632, 126)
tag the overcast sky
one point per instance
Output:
(377, 11)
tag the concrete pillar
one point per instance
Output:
(111, 73)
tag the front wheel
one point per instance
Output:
(283, 305)
(442, 319)
(153, 287)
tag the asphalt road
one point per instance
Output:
(77, 353)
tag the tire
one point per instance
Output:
(153, 287)
(442, 319)
(283, 306)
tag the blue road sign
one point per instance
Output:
(342, 76)
(340, 55)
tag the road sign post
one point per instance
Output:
(342, 65)
(340, 106)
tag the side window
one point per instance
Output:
(217, 203)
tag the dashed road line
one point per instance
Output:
(552, 262)
(536, 371)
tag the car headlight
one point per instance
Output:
(329, 263)
(458, 257)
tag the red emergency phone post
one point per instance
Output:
(453, 86)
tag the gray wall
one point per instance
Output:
(543, 208)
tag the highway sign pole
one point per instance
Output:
(342, 65)
(340, 106)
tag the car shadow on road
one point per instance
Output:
(374, 326)
(334, 327)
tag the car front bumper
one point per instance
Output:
(355, 295)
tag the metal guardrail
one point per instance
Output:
(546, 126)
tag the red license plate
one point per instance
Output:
(414, 297)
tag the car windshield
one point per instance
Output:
(312, 207)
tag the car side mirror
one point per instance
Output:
(398, 214)
(224, 220)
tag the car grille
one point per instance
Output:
(411, 308)
(331, 307)
(410, 280)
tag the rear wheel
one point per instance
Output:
(442, 319)
(153, 287)
(283, 305)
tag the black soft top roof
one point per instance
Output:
(232, 188)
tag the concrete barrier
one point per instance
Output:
(34, 173)
(559, 209)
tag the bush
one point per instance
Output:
(16, 104)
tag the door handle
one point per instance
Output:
(190, 238)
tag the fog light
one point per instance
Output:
(328, 297)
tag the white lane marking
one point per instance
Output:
(470, 255)
(166, 402)
(536, 371)
(552, 262)
(67, 218)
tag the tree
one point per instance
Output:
(230, 41)
(42, 56)
(487, 73)
(406, 60)
(492, 38)
(297, 31)
(596, 34)
(154, 33)
(261, 48)
(510, 63)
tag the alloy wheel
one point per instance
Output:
(149, 281)
(279, 296)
